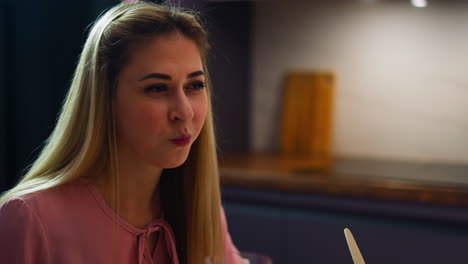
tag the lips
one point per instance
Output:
(183, 140)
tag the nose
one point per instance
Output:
(181, 108)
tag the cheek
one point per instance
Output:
(151, 115)
(138, 118)
(200, 110)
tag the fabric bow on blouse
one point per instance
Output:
(165, 236)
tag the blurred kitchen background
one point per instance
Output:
(389, 151)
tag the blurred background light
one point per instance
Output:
(419, 3)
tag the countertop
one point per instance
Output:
(429, 183)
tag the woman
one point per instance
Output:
(129, 174)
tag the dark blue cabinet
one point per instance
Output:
(307, 228)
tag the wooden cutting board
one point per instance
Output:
(307, 116)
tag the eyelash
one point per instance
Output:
(199, 85)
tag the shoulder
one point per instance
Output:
(22, 238)
(46, 203)
(14, 208)
(18, 218)
(19, 211)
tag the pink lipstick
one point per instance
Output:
(182, 141)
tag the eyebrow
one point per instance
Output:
(168, 77)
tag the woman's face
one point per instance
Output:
(160, 98)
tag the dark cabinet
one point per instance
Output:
(305, 228)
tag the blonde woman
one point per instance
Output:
(129, 174)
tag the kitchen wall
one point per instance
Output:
(229, 26)
(41, 41)
(402, 82)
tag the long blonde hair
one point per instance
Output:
(84, 137)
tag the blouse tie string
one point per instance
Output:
(166, 236)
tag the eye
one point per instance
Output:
(197, 85)
(156, 88)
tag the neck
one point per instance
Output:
(138, 188)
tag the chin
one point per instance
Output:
(173, 164)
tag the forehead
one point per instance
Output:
(170, 54)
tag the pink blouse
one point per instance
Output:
(73, 224)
